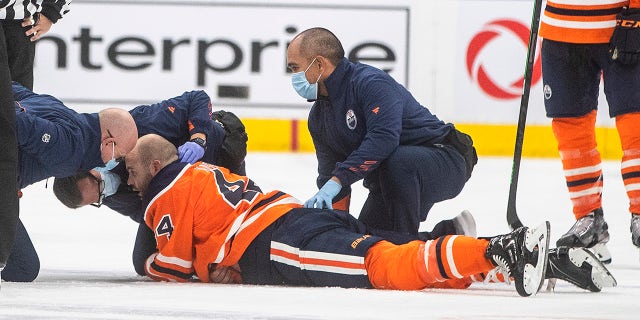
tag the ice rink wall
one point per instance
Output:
(463, 59)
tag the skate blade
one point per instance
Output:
(600, 275)
(533, 276)
(601, 251)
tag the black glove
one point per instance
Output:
(234, 146)
(624, 45)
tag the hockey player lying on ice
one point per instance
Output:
(214, 225)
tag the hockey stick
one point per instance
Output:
(512, 214)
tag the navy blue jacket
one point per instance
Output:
(53, 140)
(365, 117)
(175, 119)
(178, 118)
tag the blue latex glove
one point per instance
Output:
(324, 197)
(190, 152)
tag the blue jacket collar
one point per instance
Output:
(335, 82)
(162, 180)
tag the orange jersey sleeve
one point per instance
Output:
(574, 21)
(207, 215)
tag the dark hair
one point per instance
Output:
(320, 41)
(66, 189)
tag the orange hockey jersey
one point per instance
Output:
(202, 214)
(581, 21)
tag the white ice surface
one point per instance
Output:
(86, 270)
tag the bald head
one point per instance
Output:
(319, 42)
(150, 154)
(152, 147)
(119, 130)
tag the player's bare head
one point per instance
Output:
(152, 147)
(315, 42)
(119, 133)
(150, 154)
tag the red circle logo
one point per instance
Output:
(477, 70)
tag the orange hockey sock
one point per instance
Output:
(627, 126)
(581, 161)
(342, 204)
(446, 262)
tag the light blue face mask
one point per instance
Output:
(113, 162)
(305, 89)
(111, 182)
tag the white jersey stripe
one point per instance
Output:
(450, 260)
(427, 245)
(175, 261)
(317, 254)
(586, 2)
(149, 270)
(327, 262)
(583, 170)
(630, 163)
(316, 267)
(578, 24)
(586, 192)
(632, 187)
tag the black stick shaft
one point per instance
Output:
(512, 215)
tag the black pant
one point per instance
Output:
(20, 51)
(8, 157)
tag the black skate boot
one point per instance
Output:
(635, 230)
(580, 267)
(590, 231)
(522, 255)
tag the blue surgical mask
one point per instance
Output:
(305, 89)
(111, 182)
(113, 162)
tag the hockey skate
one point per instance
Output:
(635, 230)
(522, 255)
(590, 231)
(465, 224)
(578, 266)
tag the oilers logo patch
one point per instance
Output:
(547, 92)
(352, 121)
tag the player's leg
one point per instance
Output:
(313, 247)
(320, 248)
(583, 173)
(23, 264)
(451, 261)
(627, 125)
(571, 85)
(621, 83)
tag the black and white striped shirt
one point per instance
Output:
(20, 9)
